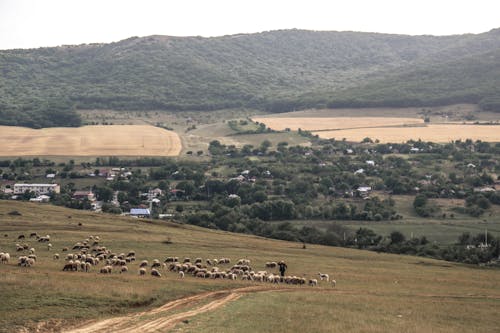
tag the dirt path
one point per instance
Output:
(168, 315)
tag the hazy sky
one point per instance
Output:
(35, 23)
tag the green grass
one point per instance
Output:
(372, 289)
(340, 312)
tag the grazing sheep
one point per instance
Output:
(106, 270)
(186, 260)
(44, 239)
(143, 263)
(4, 258)
(33, 234)
(131, 254)
(198, 261)
(243, 262)
(64, 249)
(123, 269)
(155, 272)
(156, 263)
(32, 250)
(313, 282)
(55, 256)
(49, 247)
(142, 271)
(181, 274)
(324, 277)
(271, 264)
(209, 262)
(21, 236)
(334, 283)
(87, 266)
(70, 266)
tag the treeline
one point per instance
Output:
(471, 249)
(40, 114)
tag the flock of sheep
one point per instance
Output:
(89, 254)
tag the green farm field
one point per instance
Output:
(374, 292)
(443, 231)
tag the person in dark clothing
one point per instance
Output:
(282, 267)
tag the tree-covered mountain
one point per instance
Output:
(275, 71)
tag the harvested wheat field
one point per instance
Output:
(334, 123)
(434, 133)
(115, 140)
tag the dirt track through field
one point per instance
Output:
(168, 315)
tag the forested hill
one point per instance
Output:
(275, 71)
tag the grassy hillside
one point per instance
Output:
(375, 292)
(276, 71)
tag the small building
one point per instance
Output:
(82, 195)
(38, 189)
(140, 212)
(364, 191)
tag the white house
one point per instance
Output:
(37, 188)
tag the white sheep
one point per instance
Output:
(324, 277)
(55, 256)
(142, 271)
(181, 274)
(4, 258)
(334, 283)
(123, 269)
(313, 282)
(31, 250)
(155, 272)
(49, 247)
(87, 266)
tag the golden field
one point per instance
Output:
(117, 140)
(333, 123)
(434, 133)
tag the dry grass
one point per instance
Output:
(114, 140)
(329, 123)
(373, 289)
(434, 133)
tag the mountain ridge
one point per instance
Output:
(274, 71)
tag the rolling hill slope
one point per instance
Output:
(374, 292)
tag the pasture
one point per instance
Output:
(111, 140)
(374, 292)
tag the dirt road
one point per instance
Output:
(168, 315)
